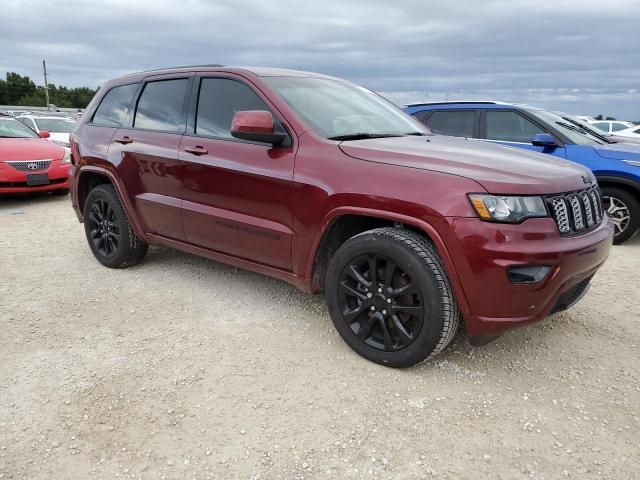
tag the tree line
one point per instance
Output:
(20, 90)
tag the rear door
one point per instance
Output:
(237, 194)
(514, 129)
(146, 153)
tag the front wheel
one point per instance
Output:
(623, 209)
(389, 297)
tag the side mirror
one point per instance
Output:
(256, 126)
(544, 140)
(44, 134)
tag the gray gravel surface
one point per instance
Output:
(186, 368)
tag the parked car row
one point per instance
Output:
(328, 186)
(29, 162)
(615, 165)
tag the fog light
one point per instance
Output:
(528, 273)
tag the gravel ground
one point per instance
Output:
(186, 368)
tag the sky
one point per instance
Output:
(577, 56)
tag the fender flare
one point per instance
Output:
(421, 225)
(120, 190)
(628, 182)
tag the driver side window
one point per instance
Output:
(509, 127)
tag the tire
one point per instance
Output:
(109, 233)
(416, 291)
(624, 210)
(60, 192)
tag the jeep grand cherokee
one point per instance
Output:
(328, 186)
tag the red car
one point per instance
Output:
(28, 162)
(326, 185)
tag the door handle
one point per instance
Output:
(197, 150)
(124, 140)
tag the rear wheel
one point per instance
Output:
(109, 233)
(624, 210)
(389, 297)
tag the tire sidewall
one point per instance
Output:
(418, 270)
(108, 193)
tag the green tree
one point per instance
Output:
(16, 86)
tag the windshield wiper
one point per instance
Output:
(417, 134)
(10, 136)
(363, 136)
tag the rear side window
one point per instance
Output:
(161, 106)
(114, 106)
(615, 127)
(219, 99)
(510, 127)
(457, 123)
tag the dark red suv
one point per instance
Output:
(326, 185)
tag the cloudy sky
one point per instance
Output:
(580, 56)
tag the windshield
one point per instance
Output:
(586, 127)
(12, 128)
(576, 133)
(338, 110)
(55, 125)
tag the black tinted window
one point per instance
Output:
(114, 106)
(457, 123)
(510, 127)
(160, 106)
(219, 99)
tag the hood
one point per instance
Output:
(59, 137)
(619, 151)
(499, 169)
(29, 149)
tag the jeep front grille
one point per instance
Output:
(30, 166)
(576, 212)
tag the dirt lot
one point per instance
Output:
(186, 368)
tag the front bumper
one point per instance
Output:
(14, 181)
(487, 250)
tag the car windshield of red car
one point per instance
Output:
(12, 128)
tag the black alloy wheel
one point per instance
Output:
(380, 302)
(103, 228)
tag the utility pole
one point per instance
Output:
(46, 84)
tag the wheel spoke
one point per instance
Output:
(353, 272)
(414, 310)
(388, 341)
(351, 314)
(399, 327)
(366, 326)
(408, 289)
(373, 270)
(352, 291)
(388, 274)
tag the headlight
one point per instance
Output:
(508, 209)
(62, 143)
(66, 158)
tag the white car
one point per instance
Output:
(611, 126)
(58, 127)
(633, 132)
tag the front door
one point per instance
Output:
(236, 194)
(513, 129)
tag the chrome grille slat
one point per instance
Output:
(30, 166)
(576, 212)
(588, 208)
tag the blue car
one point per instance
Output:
(615, 165)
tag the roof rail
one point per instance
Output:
(176, 68)
(456, 102)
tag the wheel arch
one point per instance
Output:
(345, 222)
(632, 186)
(90, 177)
